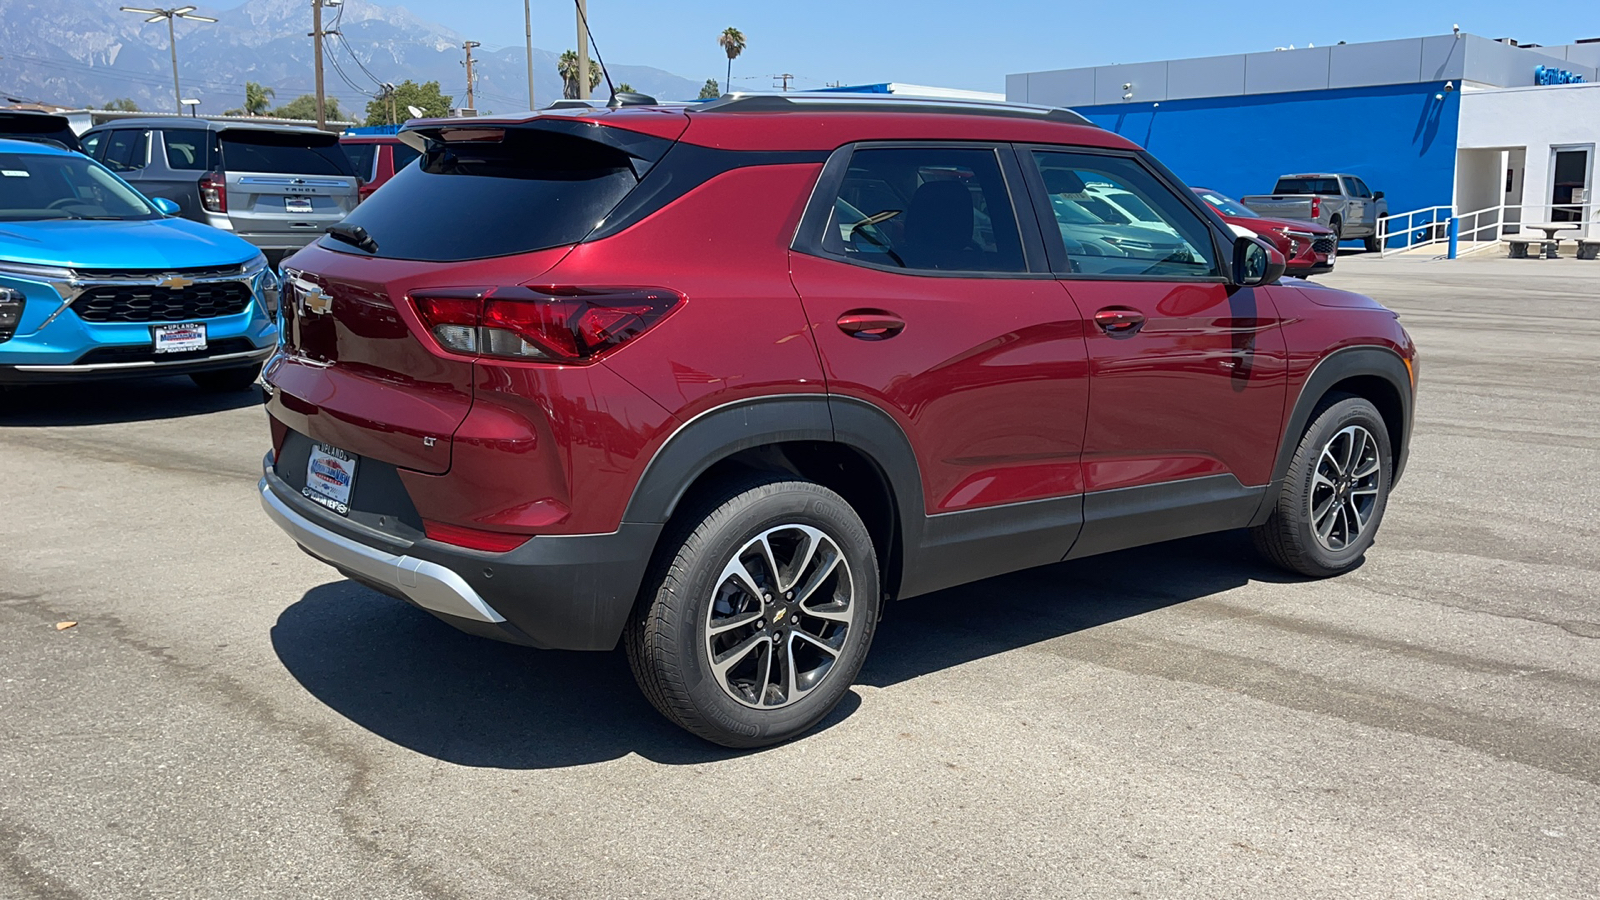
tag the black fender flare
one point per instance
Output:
(1348, 362)
(723, 431)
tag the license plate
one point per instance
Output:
(184, 338)
(330, 474)
(297, 204)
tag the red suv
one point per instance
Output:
(721, 382)
(376, 157)
(1308, 248)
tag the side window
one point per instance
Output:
(1361, 188)
(127, 150)
(926, 208)
(404, 155)
(1101, 205)
(186, 148)
(91, 144)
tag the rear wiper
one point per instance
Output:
(354, 235)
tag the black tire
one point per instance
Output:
(669, 641)
(1372, 244)
(1337, 225)
(1289, 537)
(227, 380)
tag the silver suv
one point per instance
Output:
(276, 186)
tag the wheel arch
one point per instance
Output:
(846, 445)
(1376, 374)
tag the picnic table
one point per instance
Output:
(1550, 244)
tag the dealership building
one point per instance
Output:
(1457, 121)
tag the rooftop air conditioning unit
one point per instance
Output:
(463, 112)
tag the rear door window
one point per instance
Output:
(91, 144)
(925, 208)
(497, 191)
(403, 155)
(283, 153)
(127, 150)
(363, 158)
(187, 148)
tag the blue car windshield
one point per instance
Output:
(37, 187)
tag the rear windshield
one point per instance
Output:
(49, 129)
(1307, 186)
(516, 192)
(362, 156)
(283, 153)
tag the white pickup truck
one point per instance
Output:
(1341, 202)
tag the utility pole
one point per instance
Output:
(527, 17)
(786, 78)
(583, 49)
(467, 46)
(316, 49)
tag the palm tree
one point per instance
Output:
(732, 43)
(567, 68)
(256, 98)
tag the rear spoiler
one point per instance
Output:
(424, 135)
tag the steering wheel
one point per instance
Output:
(67, 201)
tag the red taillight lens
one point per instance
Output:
(551, 324)
(1316, 207)
(214, 192)
(473, 538)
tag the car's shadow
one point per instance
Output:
(111, 402)
(410, 679)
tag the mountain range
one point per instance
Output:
(87, 52)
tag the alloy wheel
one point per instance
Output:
(779, 616)
(1344, 488)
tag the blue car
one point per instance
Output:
(96, 281)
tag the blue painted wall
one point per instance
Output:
(1398, 138)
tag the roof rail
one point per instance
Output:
(841, 102)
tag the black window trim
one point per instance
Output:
(1221, 236)
(819, 210)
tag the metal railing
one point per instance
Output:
(1476, 231)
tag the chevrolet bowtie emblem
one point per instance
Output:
(317, 300)
(177, 282)
(780, 615)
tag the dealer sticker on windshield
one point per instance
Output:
(184, 338)
(330, 474)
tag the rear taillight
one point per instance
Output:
(214, 192)
(1316, 207)
(11, 304)
(570, 325)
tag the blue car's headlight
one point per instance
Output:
(11, 303)
(264, 282)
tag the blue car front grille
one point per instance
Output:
(148, 303)
(146, 353)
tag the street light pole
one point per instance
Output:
(527, 17)
(583, 50)
(156, 15)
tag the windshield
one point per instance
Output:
(1307, 186)
(283, 153)
(36, 187)
(1227, 205)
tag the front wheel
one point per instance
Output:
(1334, 494)
(758, 614)
(1373, 245)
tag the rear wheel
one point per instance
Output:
(227, 380)
(1338, 229)
(759, 612)
(1334, 494)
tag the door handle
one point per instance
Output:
(871, 324)
(1119, 321)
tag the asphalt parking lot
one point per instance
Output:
(230, 719)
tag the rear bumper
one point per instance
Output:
(567, 592)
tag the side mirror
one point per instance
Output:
(1377, 195)
(167, 207)
(1255, 263)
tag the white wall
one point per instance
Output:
(1537, 118)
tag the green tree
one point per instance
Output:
(305, 107)
(426, 97)
(121, 104)
(257, 99)
(567, 68)
(732, 43)
(624, 88)
(711, 90)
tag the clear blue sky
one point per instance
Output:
(974, 43)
